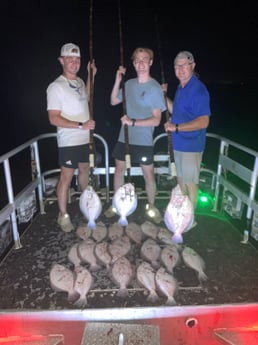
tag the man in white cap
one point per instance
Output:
(190, 116)
(68, 110)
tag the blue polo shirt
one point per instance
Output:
(190, 102)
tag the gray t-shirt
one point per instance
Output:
(141, 99)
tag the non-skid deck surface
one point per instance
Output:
(231, 266)
(101, 333)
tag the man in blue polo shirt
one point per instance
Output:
(190, 115)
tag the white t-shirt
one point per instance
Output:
(70, 97)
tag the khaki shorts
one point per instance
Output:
(188, 165)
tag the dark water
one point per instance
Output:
(235, 113)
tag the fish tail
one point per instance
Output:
(81, 302)
(177, 238)
(123, 221)
(152, 297)
(91, 224)
(122, 292)
(170, 301)
(202, 276)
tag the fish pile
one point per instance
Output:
(125, 202)
(131, 257)
(179, 214)
(90, 206)
(76, 283)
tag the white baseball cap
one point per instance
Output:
(70, 49)
(184, 55)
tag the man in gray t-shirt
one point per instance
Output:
(144, 106)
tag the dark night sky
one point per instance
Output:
(222, 36)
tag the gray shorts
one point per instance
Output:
(138, 154)
(70, 156)
(188, 165)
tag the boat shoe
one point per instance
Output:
(154, 213)
(110, 212)
(65, 222)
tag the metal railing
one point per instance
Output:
(227, 160)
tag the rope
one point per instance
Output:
(127, 151)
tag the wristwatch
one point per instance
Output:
(80, 125)
(133, 122)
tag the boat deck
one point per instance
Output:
(231, 266)
(222, 310)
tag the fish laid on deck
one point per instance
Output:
(164, 235)
(150, 251)
(62, 279)
(145, 275)
(122, 274)
(170, 257)
(102, 254)
(90, 206)
(73, 256)
(179, 214)
(166, 285)
(134, 232)
(100, 232)
(193, 260)
(150, 229)
(125, 202)
(119, 247)
(86, 251)
(82, 284)
(115, 231)
(83, 232)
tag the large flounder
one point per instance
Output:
(125, 202)
(90, 206)
(179, 214)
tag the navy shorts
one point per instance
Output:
(138, 154)
(70, 156)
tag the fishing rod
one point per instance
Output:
(127, 151)
(172, 165)
(91, 142)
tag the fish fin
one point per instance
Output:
(91, 224)
(123, 221)
(177, 238)
(122, 292)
